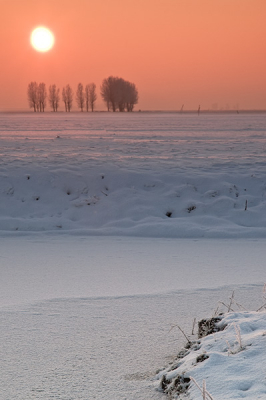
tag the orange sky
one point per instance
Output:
(191, 52)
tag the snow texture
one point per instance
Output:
(149, 175)
(113, 228)
(230, 361)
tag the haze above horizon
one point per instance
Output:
(177, 52)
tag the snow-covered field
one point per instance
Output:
(107, 174)
(113, 228)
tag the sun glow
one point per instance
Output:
(42, 39)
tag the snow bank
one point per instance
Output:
(231, 361)
(149, 175)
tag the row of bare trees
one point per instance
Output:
(37, 96)
(117, 94)
(86, 97)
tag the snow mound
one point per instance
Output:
(114, 202)
(231, 361)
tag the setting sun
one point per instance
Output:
(180, 54)
(42, 39)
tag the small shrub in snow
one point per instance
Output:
(10, 191)
(177, 386)
(199, 358)
(202, 357)
(209, 326)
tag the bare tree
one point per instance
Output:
(119, 94)
(37, 95)
(70, 95)
(90, 96)
(64, 98)
(54, 97)
(105, 93)
(80, 97)
(67, 96)
(109, 92)
(87, 97)
(33, 95)
(42, 95)
(132, 96)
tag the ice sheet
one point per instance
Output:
(46, 267)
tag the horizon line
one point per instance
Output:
(232, 111)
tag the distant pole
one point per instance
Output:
(182, 108)
(199, 110)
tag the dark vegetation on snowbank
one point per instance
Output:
(179, 384)
(225, 343)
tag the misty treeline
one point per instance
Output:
(117, 94)
(38, 96)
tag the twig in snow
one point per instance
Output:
(238, 336)
(239, 340)
(264, 291)
(229, 306)
(230, 351)
(226, 305)
(263, 306)
(216, 311)
(193, 326)
(177, 326)
(240, 306)
(231, 301)
(264, 298)
(205, 394)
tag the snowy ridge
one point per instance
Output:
(130, 203)
(231, 361)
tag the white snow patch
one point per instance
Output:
(231, 371)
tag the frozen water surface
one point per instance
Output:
(60, 267)
(93, 271)
(99, 348)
